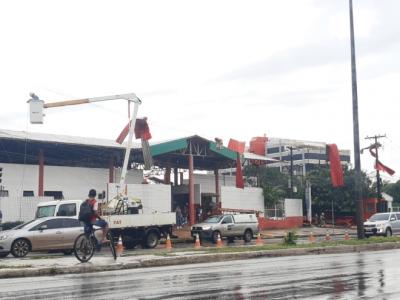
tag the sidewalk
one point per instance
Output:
(183, 235)
(46, 266)
(51, 265)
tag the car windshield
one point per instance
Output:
(23, 225)
(45, 211)
(213, 219)
(380, 217)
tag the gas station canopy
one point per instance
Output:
(19, 147)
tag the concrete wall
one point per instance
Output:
(74, 182)
(286, 223)
(247, 198)
(207, 182)
(155, 197)
(20, 208)
(293, 207)
(184, 189)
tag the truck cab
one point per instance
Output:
(58, 208)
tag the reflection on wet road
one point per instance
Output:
(368, 275)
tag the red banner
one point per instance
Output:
(335, 165)
(120, 139)
(142, 130)
(236, 146)
(381, 167)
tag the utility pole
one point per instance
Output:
(381, 205)
(356, 135)
(291, 173)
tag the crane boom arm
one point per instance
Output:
(37, 106)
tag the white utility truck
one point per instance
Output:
(123, 214)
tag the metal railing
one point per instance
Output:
(275, 212)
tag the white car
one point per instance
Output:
(385, 224)
(44, 234)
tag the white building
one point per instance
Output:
(306, 155)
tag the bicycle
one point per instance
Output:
(85, 245)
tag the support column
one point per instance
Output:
(175, 176)
(191, 191)
(217, 189)
(41, 174)
(181, 178)
(111, 170)
(167, 175)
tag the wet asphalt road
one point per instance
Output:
(368, 275)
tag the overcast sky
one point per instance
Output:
(229, 69)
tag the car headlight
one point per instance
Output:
(206, 227)
(3, 237)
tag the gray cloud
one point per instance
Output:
(328, 50)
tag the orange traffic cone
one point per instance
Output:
(327, 237)
(197, 242)
(168, 244)
(219, 241)
(259, 240)
(311, 237)
(346, 236)
(120, 247)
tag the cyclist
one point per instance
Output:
(89, 215)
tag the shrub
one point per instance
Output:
(290, 238)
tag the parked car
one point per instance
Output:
(385, 224)
(44, 234)
(230, 226)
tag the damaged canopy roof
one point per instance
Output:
(19, 147)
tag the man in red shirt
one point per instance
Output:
(95, 218)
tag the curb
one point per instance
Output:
(263, 236)
(190, 259)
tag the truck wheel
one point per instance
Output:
(151, 240)
(248, 235)
(388, 232)
(214, 236)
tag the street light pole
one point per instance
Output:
(356, 135)
(291, 173)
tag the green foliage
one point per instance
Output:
(393, 189)
(272, 195)
(290, 238)
(273, 182)
(343, 198)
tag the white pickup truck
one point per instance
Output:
(144, 229)
(231, 226)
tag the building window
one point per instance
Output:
(3, 193)
(28, 194)
(319, 156)
(273, 150)
(58, 195)
(345, 158)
